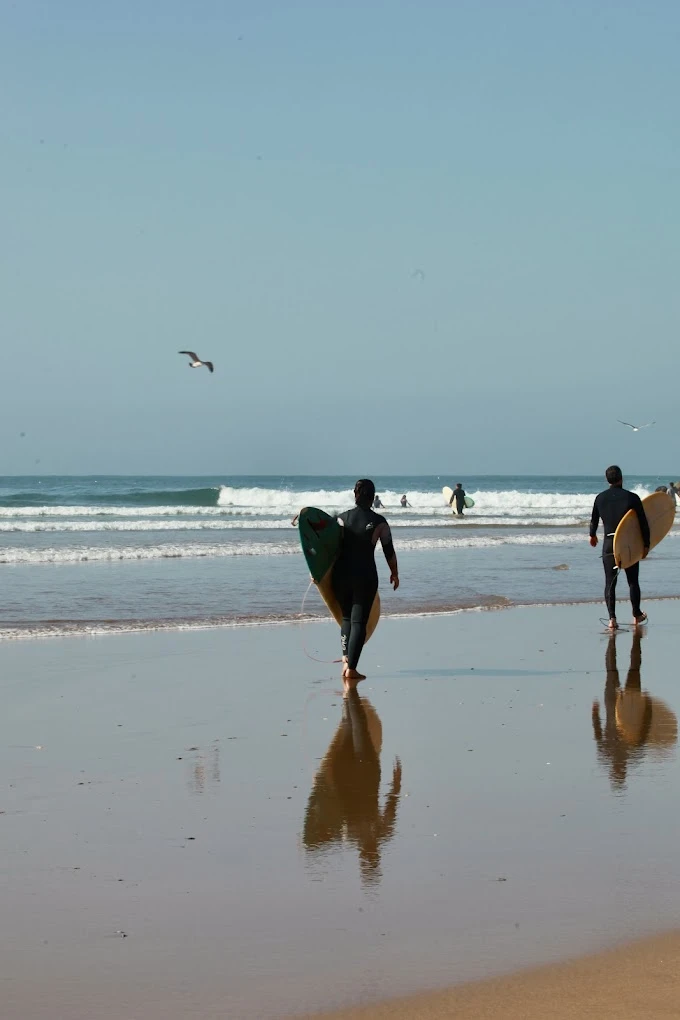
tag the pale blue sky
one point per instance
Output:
(260, 181)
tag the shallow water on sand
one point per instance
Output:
(203, 592)
(197, 825)
(92, 554)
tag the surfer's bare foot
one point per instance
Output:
(613, 625)
(639, 620)
(352, 676)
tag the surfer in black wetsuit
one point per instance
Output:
(611, 506)
(355, 577)
(459, 496)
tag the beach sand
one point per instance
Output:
(638, 982)
(196, 825)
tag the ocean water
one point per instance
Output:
(87, 554)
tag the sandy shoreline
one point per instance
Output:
(634, 982)
(40, 631)
(195, 826)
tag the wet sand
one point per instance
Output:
(197, 825)
(638, 982)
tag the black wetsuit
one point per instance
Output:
(611, 506)
(355, 577)
(459, 496)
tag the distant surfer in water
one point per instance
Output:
(355, 577)
(458, 495)
(377, 504)
(611, 506)
(404, 502)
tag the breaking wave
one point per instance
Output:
(269, 507)
(186, 550)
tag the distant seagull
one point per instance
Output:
(418, 274)
(636, 428)
(196, 361)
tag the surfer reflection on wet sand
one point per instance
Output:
(344, 805)
(636, 724)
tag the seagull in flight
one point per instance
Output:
(636, 428)
(196, 361)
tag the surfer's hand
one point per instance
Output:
(645, 553)
(593, 540)
(394, 581)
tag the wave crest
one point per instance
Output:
(186, 550)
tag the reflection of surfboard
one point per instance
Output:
(448, 493)
(320, 538)
(660, 511)
(642, 719)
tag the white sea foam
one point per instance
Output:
(509, 502)
(257, 510)
(509, 505)
(106, 628)
(18, 555)
(111, 511)
(91, 526)
(166, 551)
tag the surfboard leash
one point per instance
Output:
(327, 662)
(622, 628)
